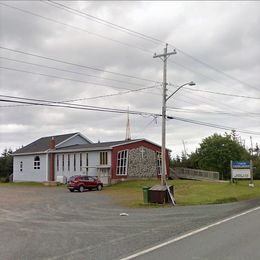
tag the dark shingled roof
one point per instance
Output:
(42, 144)
(97, 145)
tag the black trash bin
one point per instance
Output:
(159, 194)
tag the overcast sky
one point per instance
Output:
(217, 44)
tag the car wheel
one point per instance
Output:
(81, 188)
(71, 190)
(99, 187)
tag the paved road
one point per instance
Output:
(236, 238)
(52, 223)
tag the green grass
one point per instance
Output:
(27, 183)
(130, 194)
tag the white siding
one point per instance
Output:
(29, 173)
(93, 162)
(75, 140)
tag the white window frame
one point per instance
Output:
(37, 163)
(103, 158)
(159, 163)
(80, 161)
(68, 162)
(21, 166)
(87, 163)
(122, 163)
(58, 163)
(63, 162)
(74, 162)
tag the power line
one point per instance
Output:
(104, 22)
(88, 98)
(223, 94)
(217, 93)
(147, 37)
(214, 68)
(75, 80)
(41, 102)
(75, 64)
(132, 31)
(74, 27)
(49, 103)
(213, 125)
(70, 71)
(176, 109)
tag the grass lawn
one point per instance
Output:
(187, 192)
(27, 183)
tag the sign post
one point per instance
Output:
(251, 184)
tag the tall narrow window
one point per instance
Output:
(122, 161)
(159, 163)
(36, 162)
(103, 158)
(63, 163)
(80, 161)
(86, 163)
(74, 162)
(58, 163)
(68, 162)
(21, 166)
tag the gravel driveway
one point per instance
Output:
(52, 223)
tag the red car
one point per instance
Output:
(82, 182)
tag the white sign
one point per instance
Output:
(241, 173)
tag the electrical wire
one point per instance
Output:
(75, 64)
(104, 22)
(63, 78)
(212, 125)
(41, 102)
(217, 93)
(176, 109)
(49, 103)
(70, 71)
(222, 93)
(74, 27)
(141, 35)
(147, 37)
(87, 98)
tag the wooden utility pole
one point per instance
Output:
(164, 58)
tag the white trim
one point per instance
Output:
(139, 140)
(47, 167)
(66, 140)
(34, 153)
(125, 166)
(188, 234)
(86, 149)
(81, 150)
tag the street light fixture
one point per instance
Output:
(191, 83)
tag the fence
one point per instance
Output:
(194, 174)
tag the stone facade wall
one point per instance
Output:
(142, 163)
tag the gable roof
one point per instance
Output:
(42, 144)
(97, 146)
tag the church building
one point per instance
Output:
(59, 157)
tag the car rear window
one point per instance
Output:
(73, 178)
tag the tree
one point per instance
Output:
(6, 164)
(216, 152)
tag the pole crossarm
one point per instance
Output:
(164, 55)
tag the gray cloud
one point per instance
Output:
(222, 34)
